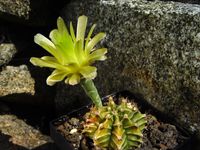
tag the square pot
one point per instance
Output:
(63, 144)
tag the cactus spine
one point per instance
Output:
(117, 127)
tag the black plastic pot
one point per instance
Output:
(63, 144)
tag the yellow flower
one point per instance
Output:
(72, 56)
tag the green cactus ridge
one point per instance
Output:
(117, 127)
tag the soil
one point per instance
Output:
(157, 135)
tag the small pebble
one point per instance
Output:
(73, 131)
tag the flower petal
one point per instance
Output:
(89, 35)
(98, 54)
(49, 58)
(81, 27)
(94, 41)
(68, 55)
(66, 40)
(89, 72)
(56, 76)
(63, 41)
(79, 52)
(72, 32)
(41, 62)
(73, 79)
(46, 44)
(62, 27)
(55, 36)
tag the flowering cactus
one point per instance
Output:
(117, 127)
(72, 56)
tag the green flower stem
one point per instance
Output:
(91, 91)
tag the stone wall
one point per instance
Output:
(153, 51)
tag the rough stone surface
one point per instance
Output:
(31, 12)
(16, 80)
(153, 51)
(7, 51)
(182, 1)
(69, 98)
(21, 133)
(19, 8)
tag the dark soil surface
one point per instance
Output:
(161, 136)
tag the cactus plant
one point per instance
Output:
(111, 126)
(114, 126)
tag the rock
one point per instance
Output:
(31, 12)
(19, 8)
(153, 51)
(4, 109)
(23, 89)
(43, 13)
(183, 1)
(69, 98)
(21, 133)
(16, 80)
(7, 51)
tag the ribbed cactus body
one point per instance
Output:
(117, 127)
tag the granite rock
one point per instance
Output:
(31, 12)
(22, 134)
(153, 51)
(23, 89)
(16, 80)
(182, 1)
(7, 52)
(19, 8)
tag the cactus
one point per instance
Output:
(117, 127)
(72, 57)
